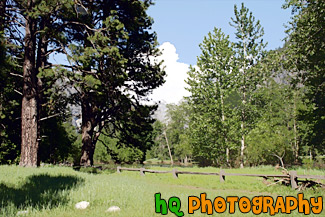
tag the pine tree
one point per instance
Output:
(112, 72)
(39, 20)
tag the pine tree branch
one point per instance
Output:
(20, 93)
(13, 19)
(17, 75)
(52, 51)
(85, 25)
(51, 116)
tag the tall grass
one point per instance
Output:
(53, 191)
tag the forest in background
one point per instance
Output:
(248, 106)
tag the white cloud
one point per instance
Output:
(172, 91)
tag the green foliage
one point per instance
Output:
(174, 130)
(315, 163)
(101, 155)
(10, 102)
(241, 93)
(110, 150)
(307, 49)
(278, 130)
(159, 148)
(211, 88)
(177, 130)
(249, 49)
(58, 142)
(249, 52)
(273, 133)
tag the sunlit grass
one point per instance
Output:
(53, 191)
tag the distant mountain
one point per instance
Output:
(76, 115)
(161, 112)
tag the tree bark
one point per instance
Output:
(2, 14)
(227, 156)
(223, 122)
(242, 148)
(29, 114)
(296, 143)
(87, 112)
(89, 136)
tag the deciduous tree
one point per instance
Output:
(249, 51)
(210, 84)
(306, 43)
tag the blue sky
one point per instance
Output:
(182, 24)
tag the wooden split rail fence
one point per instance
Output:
(222, 175)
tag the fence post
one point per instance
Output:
(293, 179)
(142, 172)
(175, 174)
(118, 169)
(222, 175)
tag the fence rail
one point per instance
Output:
(293, 177)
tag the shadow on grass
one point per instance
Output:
(39, 191)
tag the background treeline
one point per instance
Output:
(249, 106)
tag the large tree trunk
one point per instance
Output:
(2, 14)
(29, 115)
(87, 127)
(87, 112)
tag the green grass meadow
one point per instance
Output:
(54, 191)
